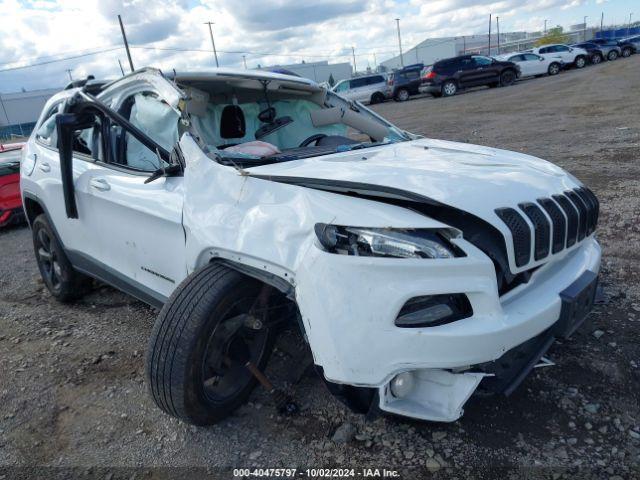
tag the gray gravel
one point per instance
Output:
(72, 391)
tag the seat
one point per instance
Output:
(232, 122)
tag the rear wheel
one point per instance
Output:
(215, 322)
(61, 279)
(626, 52)
(507, 78)
(612, 55)
(377, 98)
(402, 95)
(596, 58)
(449, 88)
(580, 62)
(554, 68)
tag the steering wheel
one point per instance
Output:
(312, 139)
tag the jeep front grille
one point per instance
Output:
(556, 223)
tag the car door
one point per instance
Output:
(46, 179)
(532, 64)
(485, 72)
(465, 71)
(565, 53)
(522, 63)
(358, 89)
(133, 228)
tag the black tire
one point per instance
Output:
(377, 98)
(612, 55)
(626, 52)
(181, 345)
(449, 88)
(61, 279)
(554, 68)
(580, 61)
(508, 78)
(402, 95)
(596, 58)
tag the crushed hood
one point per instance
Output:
(472, 178)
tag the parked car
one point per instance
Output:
(630, 45)
(416, 269)
(405, 82)
(596, 55)
(368, 89)
(10, 201)
(446, 77)
(531, 64)
(569, 56)
(626, 46)
(610, 51)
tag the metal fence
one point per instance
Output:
(618, 33)
(19, 130)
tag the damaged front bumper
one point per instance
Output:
(360, 345)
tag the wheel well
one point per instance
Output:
(32, 208)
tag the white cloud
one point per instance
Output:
(276, 31)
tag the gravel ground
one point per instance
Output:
(72, 392)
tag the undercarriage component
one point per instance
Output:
(283, 402)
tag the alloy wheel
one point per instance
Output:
(449, 88)
(48, 259)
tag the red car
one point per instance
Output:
(10, 202)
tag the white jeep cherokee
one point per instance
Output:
(240, 201)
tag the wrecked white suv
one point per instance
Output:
(239, 202)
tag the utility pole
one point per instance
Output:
(601, 21)
(244, 60)
(126, 44)
(400, 42)
(545, 26)
(213, 43)
(68, 70)
(629, 27)
(489, 35)
(584, 29)
(498, 27)
(121, 69)
(464, 45)
(353, 52)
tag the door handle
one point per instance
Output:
(45, 167)
(100, 184)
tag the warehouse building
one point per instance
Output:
(19, 111)
(318, 71)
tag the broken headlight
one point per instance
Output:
(388, 242)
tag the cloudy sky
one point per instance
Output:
(38, 33)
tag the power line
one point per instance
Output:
(21, 67)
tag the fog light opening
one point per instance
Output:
(433, 310)
(402, 384)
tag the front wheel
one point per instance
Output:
(596, 59)
(554, 69)
(215, 322)
(507, 78)
(612, 55)
(580, 62)
(626, 52)
(61, 279)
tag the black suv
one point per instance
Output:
(404, 82)
(446, 77)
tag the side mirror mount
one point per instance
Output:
(66, 125)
